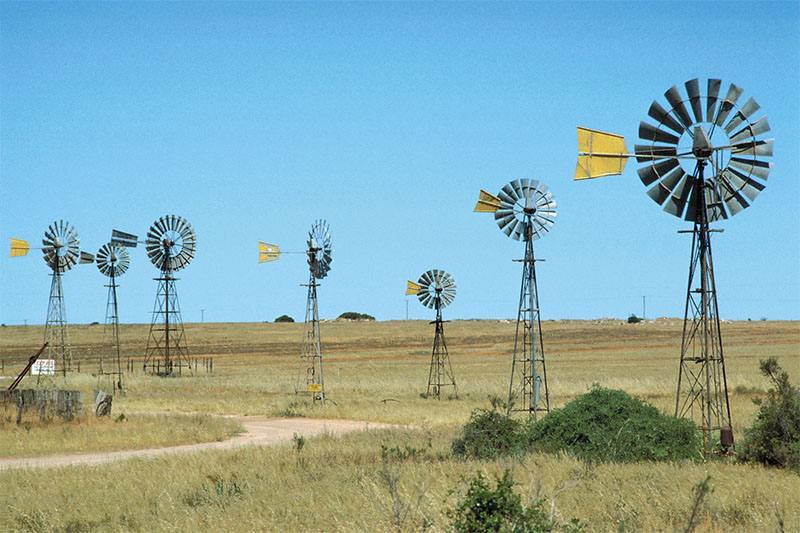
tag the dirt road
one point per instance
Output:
(259, 431)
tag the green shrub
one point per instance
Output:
(489, 434)
(284, 318)
(487, 509)
(355, 316)
(774, 438)
(609, 426)
(633, 319)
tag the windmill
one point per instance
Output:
(170, 245)
(60, 247)
(113, 261)
(525, 209)
(436, 289)
(703, 167)
(309, 373)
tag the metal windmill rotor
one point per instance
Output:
(525, 210)
(436, 289)
(61, 251)
(170, 243)
(522, 203)
(704, 166)
(113, 261)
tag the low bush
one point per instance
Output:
(489, 433)
(610, 426)
(633, 319)
(284, 318)
(487, 509)
(774, 438)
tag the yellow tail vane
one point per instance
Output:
(600, 154)
(487, 203)
(413, 288)
(268, 252)
(19, 247)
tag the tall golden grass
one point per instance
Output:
(377, 371)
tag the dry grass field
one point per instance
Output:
(340, 483)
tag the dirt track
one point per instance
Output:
(259, 431)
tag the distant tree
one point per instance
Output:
(284, 318)
(633, 319)
(355, 316)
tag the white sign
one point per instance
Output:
(44, 367)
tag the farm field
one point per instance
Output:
(376, 371)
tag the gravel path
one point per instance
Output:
(259, 431)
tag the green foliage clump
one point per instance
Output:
(284, 318)
(350, 315)
(774, 438)
(633, 319)
(489, 433)
(487, 509)
(610, 426)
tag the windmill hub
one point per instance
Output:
(701, 144)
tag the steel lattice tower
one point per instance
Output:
(309, 371)
(702, 385)
(441, 372)
(528, 370)
(166, 339)
(56, 331)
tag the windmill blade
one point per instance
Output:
(715, 209)
(711, 98)
(648, 132)
(511, 227)
(511, 193)
(734, 201)
(751, 130)
(693, 90)
(654, 171)
(680, 196)
(86, 258)
(745, 112)
(664, 188)
(652, 152)
(762, 148)
(754, 167)
(662, 116)
(678, 109)
(742, 183)
(727, 104)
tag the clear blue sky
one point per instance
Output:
(251, 120)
